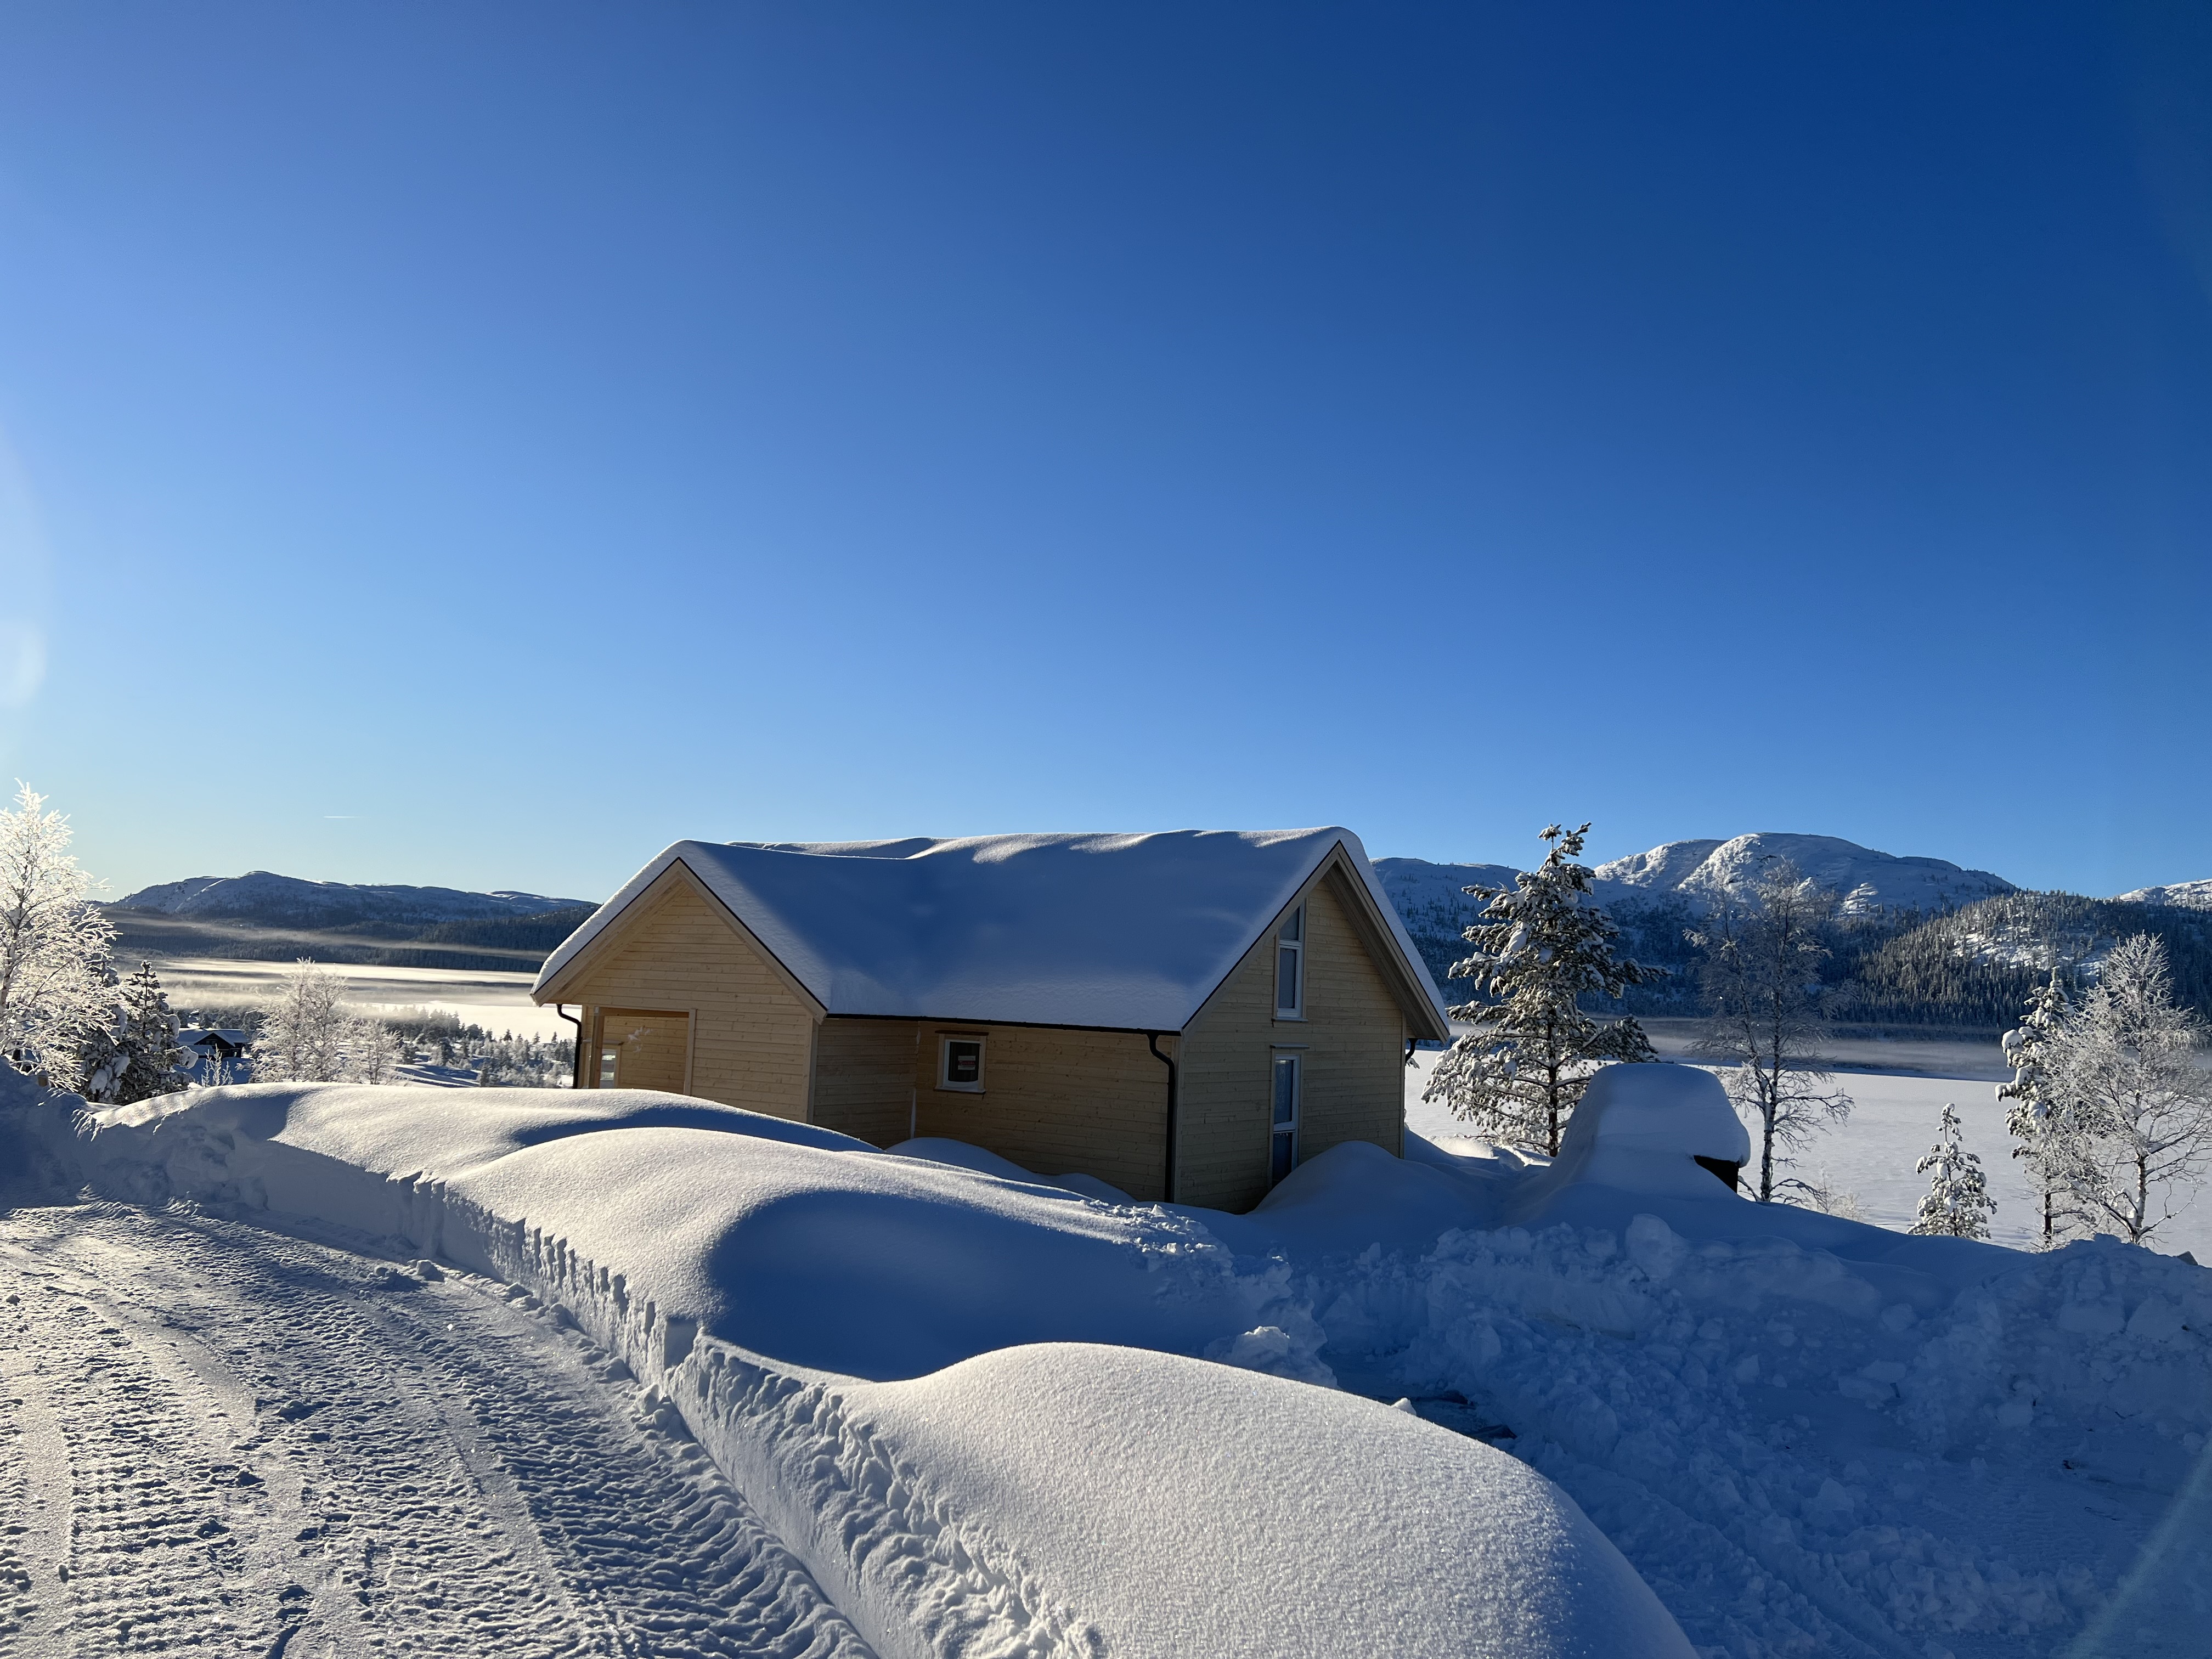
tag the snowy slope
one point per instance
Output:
(1697, 872)
(2185, 895)
(1701, 870)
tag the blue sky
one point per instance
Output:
(479, 444)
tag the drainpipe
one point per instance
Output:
(1152, 1040)
(562, 1009)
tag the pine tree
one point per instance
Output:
(54, 946)
(2127, 1055)
(155, 1062)
(1761, 982)
(1540, 945)
(2047, 1126)
(1958, 1203)
(101, 1060)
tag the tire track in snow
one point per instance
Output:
(403, 1468)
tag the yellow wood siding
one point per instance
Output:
(864, 1078)
(1354, 1046)
(650, 1050)
(1055, 1102)
(674, 950)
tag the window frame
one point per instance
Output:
(945, 1042)
(1296, 948)
(1278, 1056)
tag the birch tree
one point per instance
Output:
(1761, 981)
(304, 1035)
(54, 946)
(1541, 945)
(2128, 1054)
(1958, 1203)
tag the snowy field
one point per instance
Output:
(499, 1002)
(626, 1373)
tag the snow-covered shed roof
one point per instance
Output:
(1130, 932)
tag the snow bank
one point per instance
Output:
(1047, 1498)
(1187, 1508)
(687, 1217)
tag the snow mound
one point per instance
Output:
(687, 1219)
(961, 1155)
(1189, 1509)
(1641, 1129)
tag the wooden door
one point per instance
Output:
(644, 1049)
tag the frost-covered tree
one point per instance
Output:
(155, 1063)
(2127, 1053)
(1540, 945)
(55, 981)
(304, 1035)
(2049, 1129)
(1958, 1202)
(372, 1052)
(133, 1053)
(1761, 982)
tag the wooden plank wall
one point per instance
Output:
(864, 1078)
(1056, 1102)
(1353, 1033)
(754, 1043)
(651, 1049)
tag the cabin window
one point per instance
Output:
(1283, 1143)
(609, 1057)
(960, 1064)
(1290, 966)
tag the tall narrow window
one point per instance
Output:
(608, 1059)
(1283, 1145)
(1290, 966)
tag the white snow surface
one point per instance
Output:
(1043, 1498)
(1130, 932)
(2188, 894)
(1701, 870)
(1806, 1434)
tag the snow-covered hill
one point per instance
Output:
(1698, 871)
(2184, 895)
(267, 900)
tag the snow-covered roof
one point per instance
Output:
(1130, 932)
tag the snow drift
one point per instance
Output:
(1043, 1497)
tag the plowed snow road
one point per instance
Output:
(216, 1438)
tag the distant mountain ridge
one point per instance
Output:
(268, 900)
(2182, 895)
(1698, 871)
(263, 917)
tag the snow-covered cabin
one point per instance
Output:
(1185, 1015)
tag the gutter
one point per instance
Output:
(1152, 1040)
(576, 1079)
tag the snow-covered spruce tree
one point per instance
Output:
(2127, 1055)
(2048, 1130)
(1958, 1202)
(99, 1062)
(304, 1035)
(54, 946)
(155, 1062)
(1541, 945)
(1761, 982)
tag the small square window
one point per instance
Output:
(960, 1064)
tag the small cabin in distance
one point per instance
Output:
(1186, 1015)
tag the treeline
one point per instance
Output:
(511, 938)
(1968, 969)
(501, 944)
